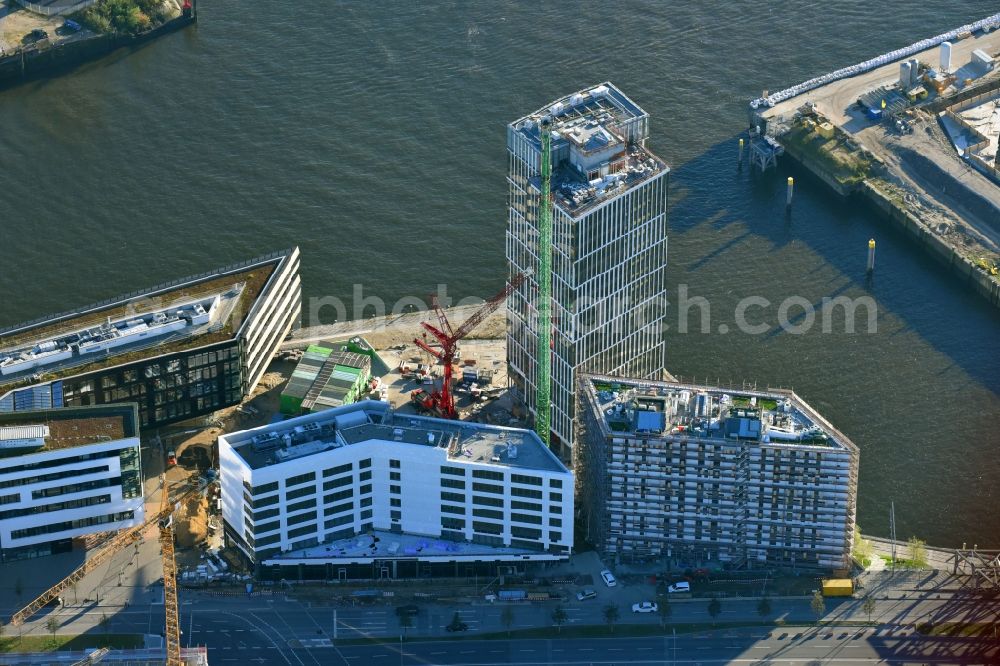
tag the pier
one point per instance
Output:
(922, 150)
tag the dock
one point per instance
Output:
(914, 133)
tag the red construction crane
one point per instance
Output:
(443, 401)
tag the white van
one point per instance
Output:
(682, 586)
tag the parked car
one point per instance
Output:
(585, 595)
(457, 626)
(609, 578)
(645, 607)
(681, 586)
(408, 609)
(171, 458)
(37, 35)
(71, 26)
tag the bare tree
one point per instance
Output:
(818, 604)
(665, 611)
(611, 615)
(868, 606)
(559, 618)
(507, 618)
(764, 608)
(918, 553)
(105, 623)
(405, 622)
(52, 626)
(714, 609)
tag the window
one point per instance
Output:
(394, 464)
(526, 506)
(394, 476)
(307, 504)
(299, 531)
(367, 488)
(452, 483)
(555, 522)
(454, 471)
(299, 492)
(452, 497)
(267, 501)
(487, 501)
(488, 513)
(452, 523)
(265, 488)
(337, 483)
(340, 508)
(395, 490)
(395, 515)
(555, 483)
(301, 478)
(525, 533)
(336, 497)
(395, 501)
(555, 536)
(267, 527)
(447, 508)
(337, 471)
(295, 520)
(526, 492)
(266, 541)
(526, 518)
(487, 528)
(366, 476)
(526, 480)
(339, 520)
(366, 501)
(555, 497)
(366, 514)
(487, 474)
(487, 488)
(367, 462)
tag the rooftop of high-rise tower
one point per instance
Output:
(598, 146)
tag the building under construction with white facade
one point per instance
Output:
(609, 257)
(359, 491)
(698, 475)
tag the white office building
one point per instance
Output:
(65, 474)
(609, 257)
(704, 476)
(360, 491)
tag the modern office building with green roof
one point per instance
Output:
(327, 376)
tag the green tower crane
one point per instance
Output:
(543, 394)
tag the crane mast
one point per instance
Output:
(543, 393)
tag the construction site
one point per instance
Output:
(915, 133)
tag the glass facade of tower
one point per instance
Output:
(609, 247)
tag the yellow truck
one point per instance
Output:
(838, 587)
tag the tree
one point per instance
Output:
(714, 608)
(818, 604)
(764, 608)
(507, 618)
(611, 615)
(18, 589)
(52, 625)
(559, 618)
(862, 548)
(405, 622)
(665, 611)
(868, 606)
(2, 629)
(918, 553)
(105, 623)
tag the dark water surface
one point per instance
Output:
(372, 135)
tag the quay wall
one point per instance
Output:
(31, 63)
(940, 249)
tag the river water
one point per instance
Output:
(372, 135)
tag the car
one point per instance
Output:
(171, 458)
(457, 626)
(680, 586)
(586, 594)
(71, 26)
(609, 578)
(408, 609)
(645, 607)
(38, 35)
